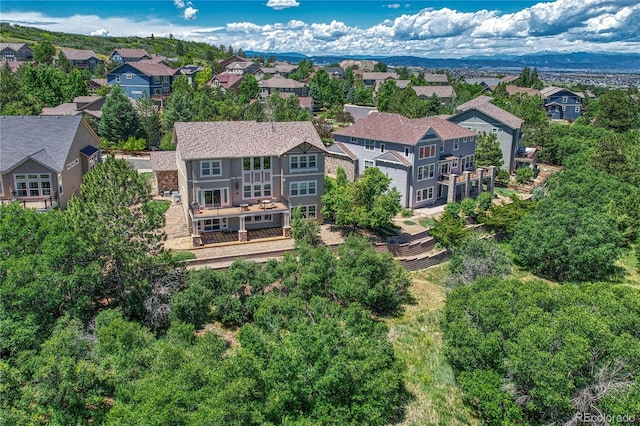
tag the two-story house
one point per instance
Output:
(242, 68)
(138, 78)
(10, 52)
(376, 79)
(226, 82)
(561, 103)
(239, 176)
(428, 159)
(481, 116)
(43, 159)
(122, 55)
(281, 84)
(81, 59)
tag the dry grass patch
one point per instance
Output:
(418, 342)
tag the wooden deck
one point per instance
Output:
(235, 211)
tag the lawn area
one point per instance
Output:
(417, 339)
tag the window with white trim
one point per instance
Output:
(353, 139)
(128, 76)
(406, 152)
(468, 162)
(303, 162)
(442, 146)
(456, 144)
(381, 148)
(426, 172)
(256, 177)
(577, 109)
(156, 79)
(454, 163)
(259, 218)
(369, 145)
(308, 210)
(464, 140)
(117, 79)
(428, 151)
(211, 168)
(300, 189)
(565, 99)
(33, 185)
(369, 163)
(424, 194)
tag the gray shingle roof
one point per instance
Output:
(78, 54)
(237, 139)
(46, 139)
(497, 113)
(163, 161)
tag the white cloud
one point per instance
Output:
(190, 13)
(563, 25)
(282, 4)
(101, 33)
(392, 6)
(180, 4)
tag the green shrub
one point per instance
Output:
(407, 212)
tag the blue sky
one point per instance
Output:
(436, 29)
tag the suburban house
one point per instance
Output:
(191, 71)
(242, 68)
(375, 79)
(429, 160)
(358, 112)
(43, 159)
(120, 56)
(436, 79)
(226, 82)
(95, 84)
(240, 176)
(10, 52)
(138, 78)
(282, 85)
(561, 103)
(444, 93)
(81, 59)
(231, 59)
(81, 105)
(481, 116)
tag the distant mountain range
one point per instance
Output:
(551, 61)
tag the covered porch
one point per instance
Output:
(469, 182)
(268, 218)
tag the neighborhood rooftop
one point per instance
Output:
(237, 139)
(397, 128)
(493, 111)
(46, 139)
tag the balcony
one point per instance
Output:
(40, 204)
(266, 206)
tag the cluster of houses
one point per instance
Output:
(240, 176)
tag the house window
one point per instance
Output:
(454, 163)
(211, 168)
(308, 210)
(259, 218)
(577, 109)
(303, 162)
(369, 145)
(156, 79)
(426, 172)
(563, 107)
(424, 194)
(368, 163)
(128, 76)
(565, 99)
(442, 146)
(381, 147)
(406, 152)
(456, 144)
(464, 140)
(156, 91)
(117, 79)
(33, 185)
(354, 139)
(468, 162)
(299, 189)
(427, 151)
